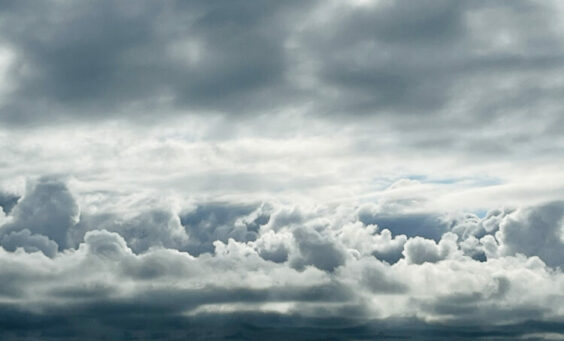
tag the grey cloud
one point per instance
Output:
(104, 262)
(275, 247)
(478, 307)
(419, 250)
(391, 250)
(472, 231)
(82, 323)
(471, 225)
(47, 219)
(377, 279)
(472, 247)
(385, 58)
(400, 57)
(48, 209)
(314, 263)
(429, 225)
(534, 231)
(105, 244)
(193, 230)
(30, 243)
(153, 227)
(91, 61)
(317, 250)
(286, 217)
(216, 221)
(8, 201)
(86, 62)
(367, 240)
(466, 308)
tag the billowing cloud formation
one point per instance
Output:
(316, 265)
(535, 231)
(47, 211)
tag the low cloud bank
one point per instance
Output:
(275, 261)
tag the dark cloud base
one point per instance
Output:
(87, 323)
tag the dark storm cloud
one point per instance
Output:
(97, 59)
(116, 59)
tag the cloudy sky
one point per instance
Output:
(337, 169)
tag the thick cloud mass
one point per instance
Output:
(535, 231)
(316, 170)
(317, 265)
(89, 61)
(96, 60)
(48, 211)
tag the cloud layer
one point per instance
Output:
(474, 63)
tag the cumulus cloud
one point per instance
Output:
(318, 266)
(318, 261)
(536, 231)
(47, 209)
(318, 250)
(149, 228)
(275, 247)
(30, 243)
(419, 250)
(215, 221)
(366, 240)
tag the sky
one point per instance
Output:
(343, 170)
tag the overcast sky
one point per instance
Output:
(338, 169)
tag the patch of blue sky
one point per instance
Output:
(480, 213)
(470, 181)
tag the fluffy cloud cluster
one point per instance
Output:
(312, 262)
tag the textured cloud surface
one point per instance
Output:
(347, 170)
